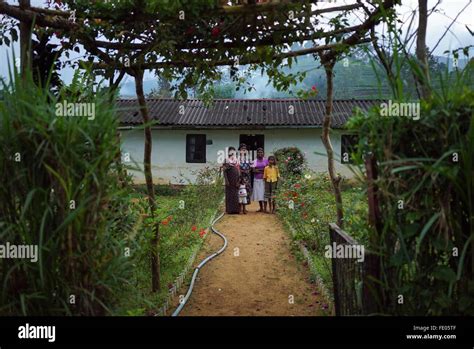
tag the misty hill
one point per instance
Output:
(354, 78)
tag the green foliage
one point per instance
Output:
(291, 161)
(183, 217)
(60, 192)
(307, 204)
(426, 195)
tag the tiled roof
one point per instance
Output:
(242, 113)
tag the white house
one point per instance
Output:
(188, 135)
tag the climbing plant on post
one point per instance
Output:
(335, 178)
(155, 258)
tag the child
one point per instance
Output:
(243, 195)
(270, 176)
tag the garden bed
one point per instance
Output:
(306, 204)
(184, 218)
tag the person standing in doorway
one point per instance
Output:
(245, 168)
(258, 193)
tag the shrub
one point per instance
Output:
(60, 192)
(307, 204)
(426, 199)
(291, 161)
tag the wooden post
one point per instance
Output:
(155, 257)
(374, 210)
(421, 50)
(335, 178)
(25, 41)
(371, 291)
(335, 276)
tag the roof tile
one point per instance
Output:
(240, 112)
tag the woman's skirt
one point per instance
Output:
(258, 193)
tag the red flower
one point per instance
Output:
(297, 185)
(302, 204)
(164, 222)
(314, 88)
(202, 233)
(193, 228)
(215, 32)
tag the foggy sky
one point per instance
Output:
(437, 24)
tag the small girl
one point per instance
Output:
(243, 195)
(271, 174)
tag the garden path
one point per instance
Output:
(256, 275)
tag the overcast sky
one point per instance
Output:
(437, 24)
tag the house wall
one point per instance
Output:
(169, 149)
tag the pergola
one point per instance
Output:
(193, 39)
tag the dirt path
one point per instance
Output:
(256, 274)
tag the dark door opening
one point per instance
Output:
(253, 142)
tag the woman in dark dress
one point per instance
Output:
(232, 178)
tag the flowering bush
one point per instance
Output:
(291, 161)
(307, 204)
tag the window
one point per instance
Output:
(196, 148)
(348, 146)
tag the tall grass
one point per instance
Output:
(426, 196)
(62, 195)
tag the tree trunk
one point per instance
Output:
(155, 257)
(421, 50)
(114, 86)
(25, 42)
(335, 179)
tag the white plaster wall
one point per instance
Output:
(169, 149)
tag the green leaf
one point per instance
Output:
(425, 230)
(444, 273)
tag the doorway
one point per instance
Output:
(253, 142)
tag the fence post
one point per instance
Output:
(335, 276)
(374, 209)
(371, 290)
